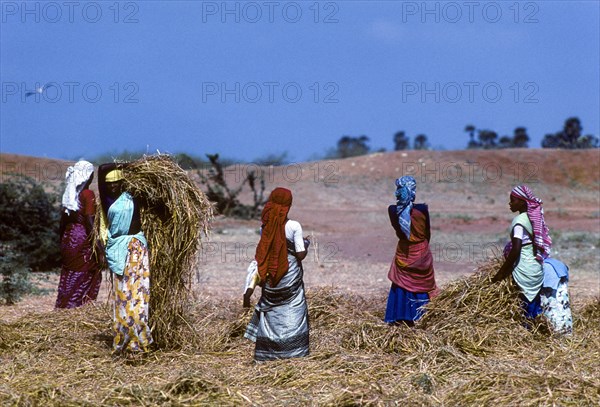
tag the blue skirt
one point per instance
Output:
(531, 309)
(403, 305)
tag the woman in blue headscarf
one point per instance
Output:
(411, 272)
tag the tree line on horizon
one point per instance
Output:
(570, 137)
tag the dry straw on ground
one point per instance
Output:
(471, 349)
(493, 309)
(175, 213)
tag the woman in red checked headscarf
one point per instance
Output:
(530, 244)
(279, 326)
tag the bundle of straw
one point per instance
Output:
(175, 213)
(477, 315)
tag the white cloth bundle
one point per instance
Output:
(75, 178)
(252, 278)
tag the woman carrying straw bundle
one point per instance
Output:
(127, 257)
(529, 245)
(279, 325)
(411, 272)
(80, 276)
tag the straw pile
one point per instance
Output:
(175, 213)
(63, 358)
(474, 302)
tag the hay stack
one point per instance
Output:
(478, 316)
(175, 213)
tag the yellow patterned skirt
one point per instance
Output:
(132, 296)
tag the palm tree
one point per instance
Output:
(401, 142)
(469, 128)
(487, 138)
(505, 142)
(520, 138)
(421, 142)
(352, 146)
(572, 131)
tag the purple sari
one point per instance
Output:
(80, 276)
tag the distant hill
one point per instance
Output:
(476, 180)
(345, 200)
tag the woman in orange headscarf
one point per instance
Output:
(279, 326)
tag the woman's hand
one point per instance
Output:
(511, 260)
(501, 274)
(301, 255)
(307, 242)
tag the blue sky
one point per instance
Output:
(247, 79)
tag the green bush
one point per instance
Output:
(29, 221)
(14, 274)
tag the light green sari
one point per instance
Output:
(527, 273)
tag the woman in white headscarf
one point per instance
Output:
(80, 276)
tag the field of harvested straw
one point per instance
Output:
(470, 349)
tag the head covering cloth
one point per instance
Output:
(535, 212)
(75, 178)
(271, 252)
(114, 176)
(406, 188)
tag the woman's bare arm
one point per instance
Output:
(510, 261)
